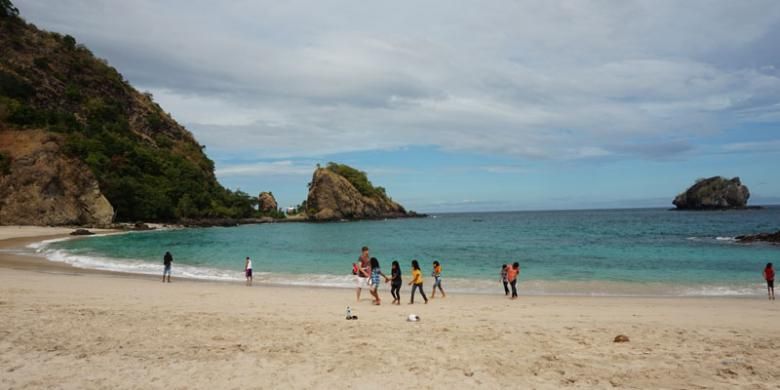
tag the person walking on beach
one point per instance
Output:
(511, 275)
(376, 272)
(167, 260)
(504, 279)
(395, 285)
(769, 276)
(417, 281)
(248, 271)
(437, 280)
(363, 271)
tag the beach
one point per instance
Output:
(62, 327)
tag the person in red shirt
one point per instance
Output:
(511, 276)
(769, 276)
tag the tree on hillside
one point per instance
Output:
(7, 9)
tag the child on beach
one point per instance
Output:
(417, 281)
(395, 285)
(376, 272)
(769, 276)
(248, 271)
(504, 279)
(511, 275)
(437, 280)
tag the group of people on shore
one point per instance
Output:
(368, 274)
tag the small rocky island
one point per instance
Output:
(714, 193)
(340, 192)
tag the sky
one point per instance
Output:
(459, 105)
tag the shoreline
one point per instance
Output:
(13, 256)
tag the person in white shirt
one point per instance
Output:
(248, 271)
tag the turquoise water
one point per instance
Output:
(609, 252)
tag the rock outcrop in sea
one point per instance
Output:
(773, 238)
(266, 202)
(338, 192)
(714, 193)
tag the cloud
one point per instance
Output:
(529, 80)
(752, 147)
(274, 168)
(506, 168)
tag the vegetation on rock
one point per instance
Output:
(340, 192)
(147, 165)
(358, 179)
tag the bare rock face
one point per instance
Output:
(267, 202)
(44, 187)
(332, 197)
(715, 193)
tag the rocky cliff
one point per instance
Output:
(714, 193)
(46, 187)
(339, 192)
(93, 138)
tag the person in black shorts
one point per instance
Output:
(167, 260)
(395, 283)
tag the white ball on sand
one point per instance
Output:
(413, 318)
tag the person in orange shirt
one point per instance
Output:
(769, 276)
(511, 275)
(437, 280)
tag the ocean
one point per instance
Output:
(639, 252)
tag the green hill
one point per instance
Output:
(54, 91)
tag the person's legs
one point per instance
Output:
(414, 289)
(506, 288)
(514, 288)
(422, 292)
(443, 295)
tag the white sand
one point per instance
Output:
(77, 330)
